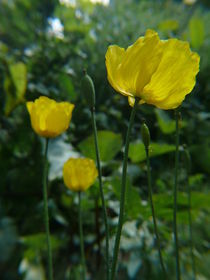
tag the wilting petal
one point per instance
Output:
(174, 77)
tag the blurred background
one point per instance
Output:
(44, 46)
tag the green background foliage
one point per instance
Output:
(35, 60)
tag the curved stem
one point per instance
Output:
(46, 215)
(82, 251)
(153, 212)
(176, 241)
(123, 191)
(101, 192)
(190, 228)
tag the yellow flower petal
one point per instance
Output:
(131, 101)
(159, 72)
(79, 173)
(129, 71)
(140, 62)
(48, 117)
(114, 57)
(174, 77)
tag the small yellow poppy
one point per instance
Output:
(48, 117)
(159, 72)
(79, 173)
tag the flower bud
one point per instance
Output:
(49, 118)
(79, 173)
(145, 135)
(88, 90)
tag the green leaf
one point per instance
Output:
(67, 87)
(18, 72)
(15, 86)
(36, 244)
(164, 204)
(137, 150)
(168, 25)
(166, 124)
(133, 202)
(110, 144)
(196, 27)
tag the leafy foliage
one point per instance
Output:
(35, 60)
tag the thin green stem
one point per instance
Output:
(190, 228)
(101, 193)
(176, 241)
(123, 191)
(153, 213)
(82, 251)
(46, 215)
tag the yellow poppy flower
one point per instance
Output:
(159, 72)
(79, 173)
(48, 117)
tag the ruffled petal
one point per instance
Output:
(140, 62)
(79, 173)
(114, 57)
(48, 117)
(33, 116)
(174, 77)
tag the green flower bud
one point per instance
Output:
(88, 90)
(145, 135)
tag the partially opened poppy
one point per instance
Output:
(48, 117)
(159, 72)
(79, 173)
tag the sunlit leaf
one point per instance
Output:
(110, 144)
(133, 203)
(166, 124)
(137, 150)
(15, 86)
(36, 244)
(164, 204)
(67, 87)
(196, 27)
(168, 25)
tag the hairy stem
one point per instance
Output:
(176, 241)
(153, 212)
(123, 191)
(82, 251)
(46, 215)
(101, 192)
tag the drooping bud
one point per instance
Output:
(145, 135)
(88, 90)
